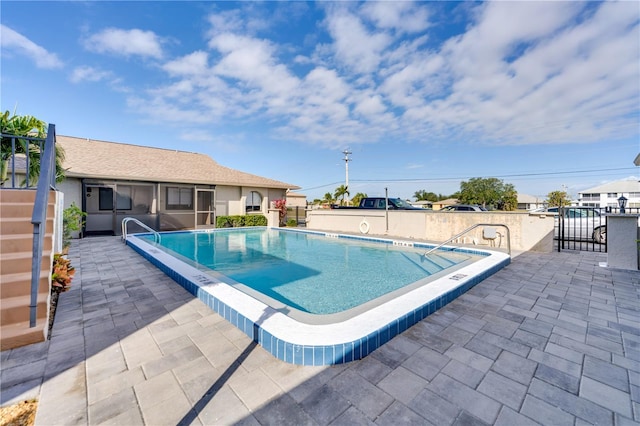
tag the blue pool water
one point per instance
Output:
(306, 271)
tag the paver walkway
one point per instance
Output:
(552, 339)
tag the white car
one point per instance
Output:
(581, 223)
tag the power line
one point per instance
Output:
(496, 176)
(527, 175)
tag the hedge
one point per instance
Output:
(238, 220)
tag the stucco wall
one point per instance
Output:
(227, 200)
(528, 231)
(72, 189)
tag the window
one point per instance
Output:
(590, 197)
(612, 195)
(369, 203)
(105, 198)
(123, 197)
(179, 198)
(254, 202)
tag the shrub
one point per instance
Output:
(281, 206)
(61, 273)
(223, 222)
(238, 220)
(255, 220)
(292, 223)
(72, 220)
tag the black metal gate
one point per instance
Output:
(299, 214)
(583, 228)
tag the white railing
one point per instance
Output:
(455, 237)
(126, 220)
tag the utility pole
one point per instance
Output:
(346, 153)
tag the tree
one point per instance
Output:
(509, 200)
(558, 199)
(341, 191)
(356, 198)
(328, 198)
(423, 195)
(488, 192)
(25, 125)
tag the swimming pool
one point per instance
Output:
(263, 300)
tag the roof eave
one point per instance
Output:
(183, 181)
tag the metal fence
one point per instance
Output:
(584, 228)
(299, 214)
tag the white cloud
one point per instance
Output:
(561, 82)
(412, 166)
(197, 136)
(192, 64)
(87, 73)
(126, 43)
(16, 43)
(403, 16)
(521, 72)
(355, 47)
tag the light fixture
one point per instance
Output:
(622, 202)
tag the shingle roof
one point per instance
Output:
(110, 160)
(626, 185)
(295, 194)
(526, 198)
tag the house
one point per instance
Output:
(607, 195)
(165, 189)
(439, 205)
(530, 202)
(423, 204)
(296, 199)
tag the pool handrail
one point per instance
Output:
(126, 220)
(470, 229)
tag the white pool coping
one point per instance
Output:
(295, 332)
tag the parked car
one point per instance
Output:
(463, 208)
(581, 223)
(380, 203)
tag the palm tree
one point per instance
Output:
(328, 198)
(356, 198)
(341, 191)
(28, 126)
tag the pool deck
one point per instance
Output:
(550, 339)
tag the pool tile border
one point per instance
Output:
(318, 354)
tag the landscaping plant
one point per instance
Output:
(281, 206)
(72, 221)
(61, 273)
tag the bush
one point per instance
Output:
(255, 220)
(61, 273)
(238, 220)
(292, 223)
(72, 220)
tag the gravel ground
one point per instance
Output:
(21, 414)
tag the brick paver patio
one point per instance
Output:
(552, 339)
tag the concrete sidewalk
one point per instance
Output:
(551, 339)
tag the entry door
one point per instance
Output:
(205, 208)
(100, 205)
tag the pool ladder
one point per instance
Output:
(126, 220)
(487, 230)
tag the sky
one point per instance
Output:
(424, 95)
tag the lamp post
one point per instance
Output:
(346, 153)
(622, 202)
